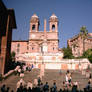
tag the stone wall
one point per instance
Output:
(65, 64)
(19, 47)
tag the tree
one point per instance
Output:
(88, 54)
(83, 33)
(67, 53)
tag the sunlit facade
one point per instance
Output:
(76, 43)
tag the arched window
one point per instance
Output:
(27, 48)
(18, 45)
(53, 27)
(33, 27)
(32, 48)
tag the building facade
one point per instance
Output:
(76, 43)
(38, 38)
(41, 48)
(7, 23)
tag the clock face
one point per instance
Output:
(33, 35)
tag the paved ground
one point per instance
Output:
(50, 76)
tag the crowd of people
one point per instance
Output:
(22, 68)
(22, 86)
(38, 86)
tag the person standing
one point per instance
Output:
(46, 87)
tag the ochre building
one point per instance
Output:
(76, 43)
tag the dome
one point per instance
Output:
(34, 16)
(53, 16)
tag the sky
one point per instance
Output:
(72, 14)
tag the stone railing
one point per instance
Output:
(10, 72)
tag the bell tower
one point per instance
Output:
(34, 23)
(53, 22)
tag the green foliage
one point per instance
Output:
(67, 53)
(83, 33)
(1, 77)
(88, 54)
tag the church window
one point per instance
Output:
(32, 48)
(53, 48)
(53, 27)
(18, 45)
(27, 48)
(33, 27)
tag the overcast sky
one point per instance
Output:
(72, 14)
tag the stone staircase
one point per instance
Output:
(12, 80)
(50, 76)
(54, 75)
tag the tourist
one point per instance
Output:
(7, 90)
(60, 90)
(29, 85)
(3, 88)
(54, 87)
(66, 78)
(18, 90)
(46, 87)
(64, 85)
(24, 67)
(29, 90)
(21, 87)
(32, 66)
(19, 71)
(24, 89)
(35, 89)
(41, 87)
(39, 81)
(75, 87)
(35, 82)
(90, 78)
(21, 81)
(88, 86)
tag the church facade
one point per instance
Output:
(45, 42)
(36, 37)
